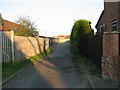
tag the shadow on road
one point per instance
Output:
(54, 71)
(58, 69)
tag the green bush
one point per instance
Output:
(81, 28)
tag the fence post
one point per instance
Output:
(0, 59)
(12, 45)
(0, 46)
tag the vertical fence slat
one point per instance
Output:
(0, 46)
(6, 39)
(12, 44)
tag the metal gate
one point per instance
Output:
(6, 46)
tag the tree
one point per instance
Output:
(26, 28)
(81, 29)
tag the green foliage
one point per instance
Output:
(8, 69)
(40, 55)
(25, 28)
(1, 20)
(81, 28)
(48, 51)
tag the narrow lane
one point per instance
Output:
(54, 71)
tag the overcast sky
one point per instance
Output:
(52, 17)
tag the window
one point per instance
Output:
(114, 25)
(102, 26)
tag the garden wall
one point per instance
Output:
(26, 47)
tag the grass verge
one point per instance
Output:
(90, 68)
(8, 69)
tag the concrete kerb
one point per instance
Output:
(3, 82)
(91, 83)
(96, 82)
(102, 83)
(90, 78)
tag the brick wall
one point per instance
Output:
(111, 57)
(110, 44)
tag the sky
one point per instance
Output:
(52, 17)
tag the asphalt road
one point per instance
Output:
(54, 71)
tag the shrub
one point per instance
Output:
(81, 28)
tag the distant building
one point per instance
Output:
(68, 37)
(62, 36)
(6, 25)
(109, 20)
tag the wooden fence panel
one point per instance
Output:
(6, 46)
(0, 46)
(92, 49)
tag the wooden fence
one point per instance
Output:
(6, 46)
(92, 49)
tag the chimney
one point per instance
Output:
(111, 0)
(111, 4)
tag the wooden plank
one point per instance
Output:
(0, 46)
(6, 47)
(12, 44)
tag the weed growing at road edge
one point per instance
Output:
(89, 66)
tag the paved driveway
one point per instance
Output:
(54, 71)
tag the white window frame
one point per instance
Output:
(114, 24)
(101, 27)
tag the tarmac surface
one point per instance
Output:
(54, 71)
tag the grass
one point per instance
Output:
(8, 69)
(40, 55)
(89, 66)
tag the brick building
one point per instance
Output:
(6, 25)
(110, 17)
(108, 26)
